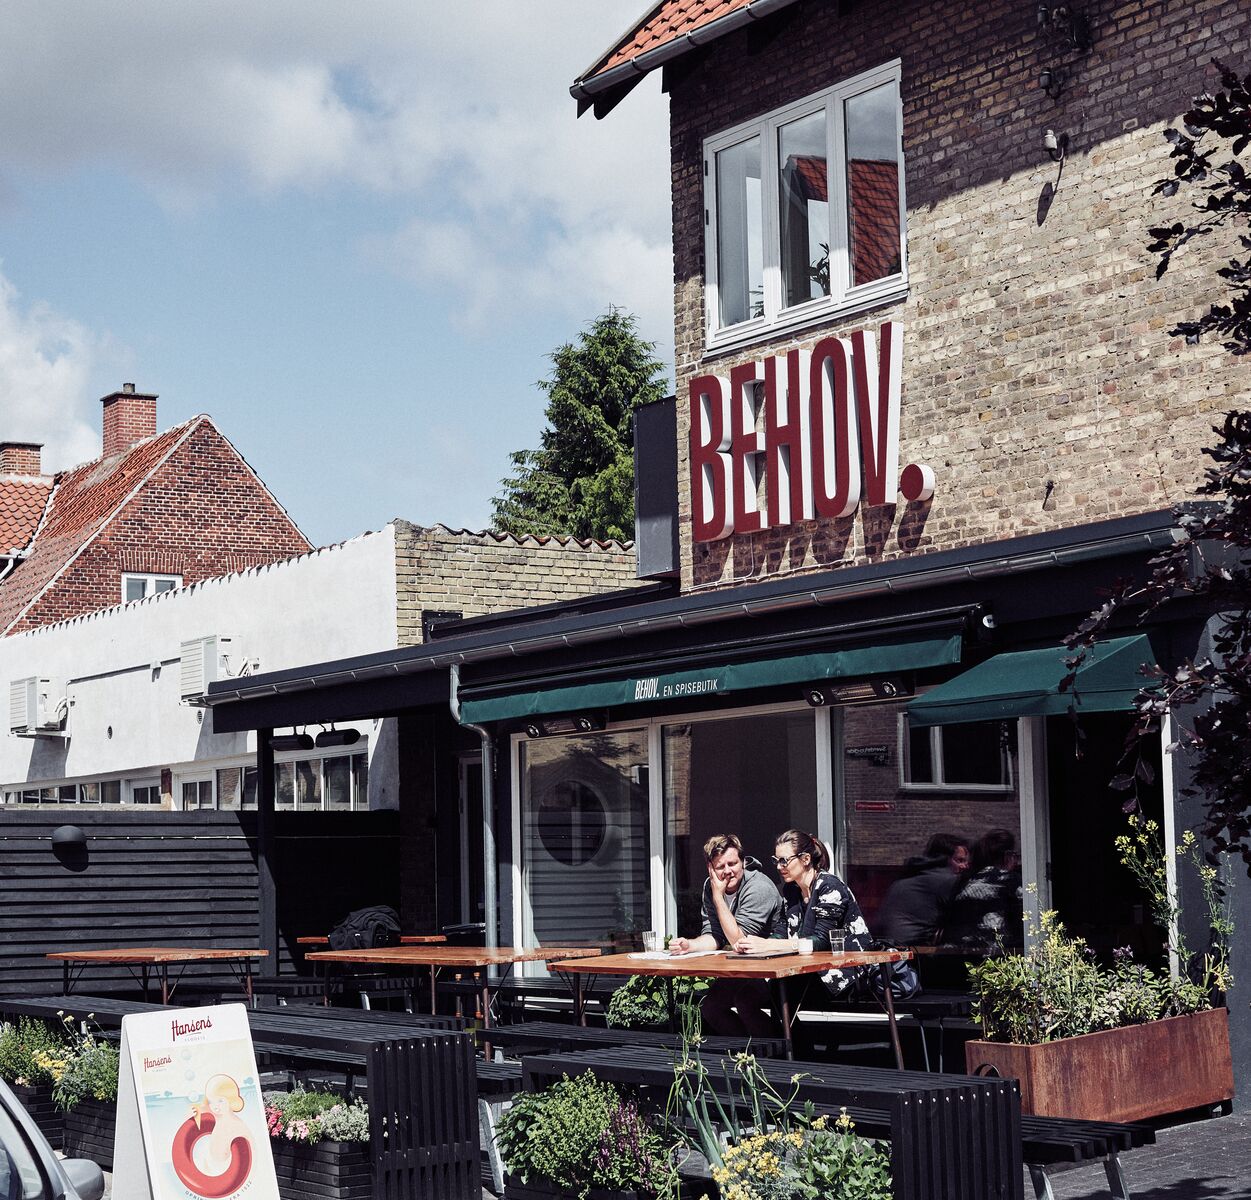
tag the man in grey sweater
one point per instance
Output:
(738, 899)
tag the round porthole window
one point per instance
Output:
(572, 823)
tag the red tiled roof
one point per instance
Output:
(664, 25)
(83, 500)
(21, 505)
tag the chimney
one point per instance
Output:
(21, 458)
(129, 417)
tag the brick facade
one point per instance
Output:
(1036, 344)
(201, 513)
(473, 574)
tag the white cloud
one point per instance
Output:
(459, 114)
(45, 364)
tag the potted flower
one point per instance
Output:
(1119, 1043)
(320, 1144)
(582, 1138)
(85, 1089)
(31, 1052)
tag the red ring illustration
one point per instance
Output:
(212, 1187)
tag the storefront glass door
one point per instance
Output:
(585, 845)
(754, 775)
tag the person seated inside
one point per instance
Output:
(738, 901)
(914, 906)
(817, 902)
(985, 915)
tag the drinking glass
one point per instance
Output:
(838, 940)
(651, 941)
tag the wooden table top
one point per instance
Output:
(732, 966)
(141, 955)
(406, 939)
(451, 956)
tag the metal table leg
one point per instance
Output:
(889, 1001)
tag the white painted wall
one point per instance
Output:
(119, 668)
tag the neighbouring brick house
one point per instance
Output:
(155, 511)
(927, 412)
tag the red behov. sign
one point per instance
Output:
(830, 437)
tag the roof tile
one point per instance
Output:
(667, 21)
(22, 502)
(83, 500)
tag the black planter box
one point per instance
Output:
(36, 1098)
(89, 1128)
(324, 1171)
(542, 1189)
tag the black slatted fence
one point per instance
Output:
(176, 879)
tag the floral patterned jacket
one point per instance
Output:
(830, 906)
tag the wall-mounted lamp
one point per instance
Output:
(1051, 80)
(1065, 24)
(1056, 145)
(291, 741)
(819, 695)
(337, 737)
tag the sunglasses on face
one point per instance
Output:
(783, 863)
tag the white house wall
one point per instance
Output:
(120, 670)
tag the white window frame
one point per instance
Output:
(149, 583)
(128, 792)
(940, 783)
(843, 297)
(198, 777)
(356, 804)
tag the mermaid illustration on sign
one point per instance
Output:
(212, 1149)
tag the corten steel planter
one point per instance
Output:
(89, 1129)
(1126, 1074)
(36, 1098)
(324, 1171)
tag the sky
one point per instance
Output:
(352, 234)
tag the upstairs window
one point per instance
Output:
(136, 587)
(805, 211)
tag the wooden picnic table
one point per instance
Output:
(435, 958)
(145, 958)
(728, 965)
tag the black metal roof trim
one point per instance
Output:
(1103, 539)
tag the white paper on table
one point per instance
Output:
(669, 955)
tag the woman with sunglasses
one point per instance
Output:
(817, 902)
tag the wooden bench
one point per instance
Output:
(547, 1037)
(931, 1011)
(952, 1137)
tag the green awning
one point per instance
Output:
(1026, 683)
(882, 658)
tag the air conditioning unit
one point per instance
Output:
(204, 661)
(35, 706)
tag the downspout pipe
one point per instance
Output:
(490, 859)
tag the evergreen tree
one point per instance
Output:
(580, 480)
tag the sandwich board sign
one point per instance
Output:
(190, 1118)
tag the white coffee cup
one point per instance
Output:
(805, 945)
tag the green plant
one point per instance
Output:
(581, 1133)
(30, 1050)
(837, 1164)
(643, 1001)
(812, 1163)
(311, 1117)
(87, 1070)
(1142, 854)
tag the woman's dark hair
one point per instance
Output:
(992, 849)
(805, 843)
(944, 845)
